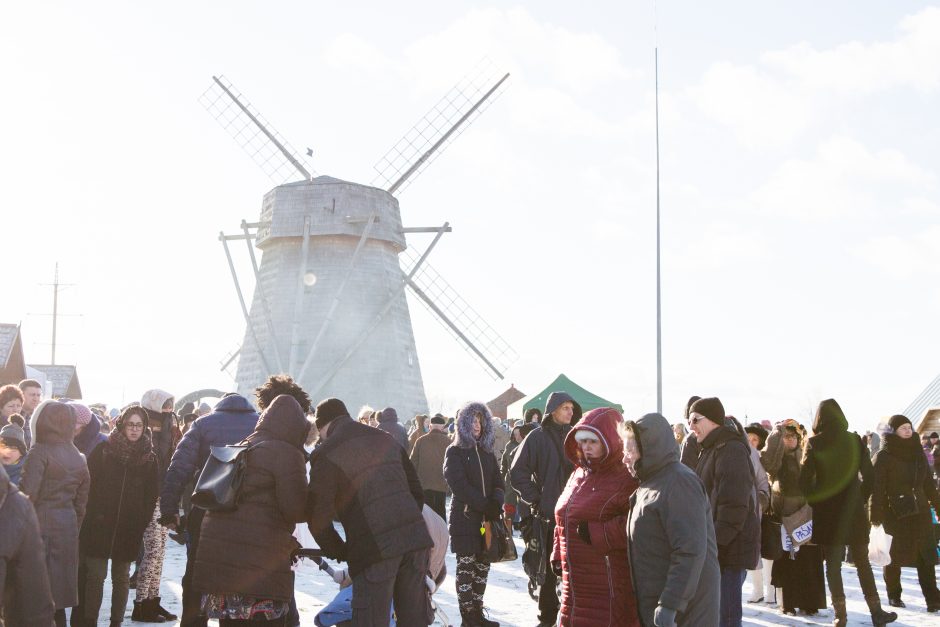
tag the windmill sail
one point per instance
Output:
(440, 126)
(253, 133)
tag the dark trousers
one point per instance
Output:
(96, 570)
(192, 600)
(400, 580)
(833, 555)
(730, 605)
(926, 576)
(437, 501)
(548, 595)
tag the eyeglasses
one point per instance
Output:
(695, 421)
(134, 425)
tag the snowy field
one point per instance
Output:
(509, 602)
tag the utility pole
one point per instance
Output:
(659, 298)
(56, 286)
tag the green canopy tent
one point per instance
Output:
(588, 400)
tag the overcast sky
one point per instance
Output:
(801, 210)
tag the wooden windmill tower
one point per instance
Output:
(329, 302)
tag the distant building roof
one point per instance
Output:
(63, 379)
(499, 404)
(12, 363)
(927, 399)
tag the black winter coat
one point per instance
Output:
(363, 478)
(832, 462)
(901, 470)
(540, 470)
(725, 469)
(120, 505)
(474, 479)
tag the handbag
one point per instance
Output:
(498, 545)
(799, 525)
(221, 478)
(771, 543)
(903, 505)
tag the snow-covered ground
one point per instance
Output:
(509, 602)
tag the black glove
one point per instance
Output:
(556, 568)
(584, 532)
(535, 509)
(493, 510)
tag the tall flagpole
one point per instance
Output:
(659, 300)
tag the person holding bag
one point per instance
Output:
(799, 574)
(472, 474)
(590, 548)
(903, 494)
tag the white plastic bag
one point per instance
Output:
(879, 547)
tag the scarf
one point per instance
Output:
(129, 453)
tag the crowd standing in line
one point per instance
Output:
(643, 522)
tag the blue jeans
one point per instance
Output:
(732, 579)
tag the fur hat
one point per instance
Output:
(757, 429)
(438, 419)
(711, 408)
(329, 410)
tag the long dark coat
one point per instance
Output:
(901, 469)
(472, 473)
(247, 551)
(832, 462)
(55, 478)
(120, 505)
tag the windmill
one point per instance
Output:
(329, 302)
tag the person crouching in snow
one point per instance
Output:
(590, 547)
(472, 473)
(673, 553)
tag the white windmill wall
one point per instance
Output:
(384, 371)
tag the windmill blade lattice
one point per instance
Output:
(439, 127)
(271, 152)
(475, 335)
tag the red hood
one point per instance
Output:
(603, 422)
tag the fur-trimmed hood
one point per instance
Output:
(464, 430)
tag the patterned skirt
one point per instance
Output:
(241, 607)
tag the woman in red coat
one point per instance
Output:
(590, 549)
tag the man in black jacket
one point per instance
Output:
(724, 466)
(362, 477)
(539, 474)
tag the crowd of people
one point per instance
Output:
(626, 522)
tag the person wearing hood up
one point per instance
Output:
(56, 480)
(673, 552)
(25, 597)
(88, 432)
(164, 435)
(726, 470)
(904, 492)
(539, 474)
(829, 478)
(472, 473)
(590, 548)
(243, 561)
(388, 422)
(533, 415)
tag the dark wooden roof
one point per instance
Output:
(64, 380)
(12, 363)
(499, 404)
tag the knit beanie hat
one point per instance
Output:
(711, 408)
(329, 410)
(13, 433)
(897, 421)
(82, 413)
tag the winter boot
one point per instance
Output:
(879, 617)
(146, 612)
(840, 618)
(470, 619)
(485, 622)
(162, 611)
(896, 601)
(114, 623)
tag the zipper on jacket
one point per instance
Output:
(610, 590)
(117, 519)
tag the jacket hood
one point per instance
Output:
(153, 400)
(88, 434)
(284, 420)
(658, 447)
(388, 415)
(603, 423)
(557, 398)
(829, 418)
(464, 421)
(234, 403)
(53, 423)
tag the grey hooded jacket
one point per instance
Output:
(673, 554)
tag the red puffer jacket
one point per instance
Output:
(596, 587)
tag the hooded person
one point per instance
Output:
(419, 428)
(25, 597)
(590, 548)
(88, 431)
(904, 491)
(56, 480)
(539, 474)
(243, 561)
(13, 448)
(472, 473)
(673, 553)
(164, 434)
(388, 422)
(833, 460)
